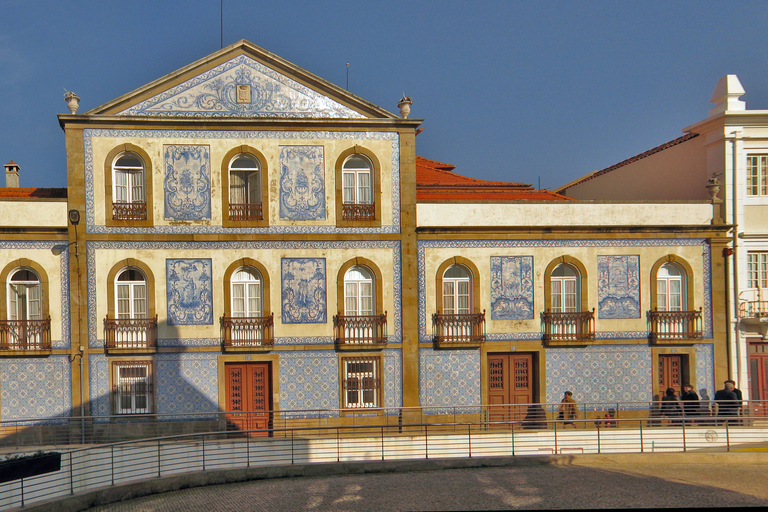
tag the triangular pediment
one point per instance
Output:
(244, 81)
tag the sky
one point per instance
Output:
(524, 91)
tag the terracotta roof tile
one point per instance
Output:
(43, 193)
(435, 181)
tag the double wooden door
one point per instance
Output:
(248, 397)
(511, 386)
(673, 373)
(758, 377)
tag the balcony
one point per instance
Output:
(573, 328)
(360, 332)
(130, 335)
(458, 331)
(674, 326)
(352, 211)
(25, 336)
(248, 333)
(129, 211)
(245, 211)
(754, 310)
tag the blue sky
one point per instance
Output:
(508, 90)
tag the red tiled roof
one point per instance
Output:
(44, 193)
(652, 151)
(435, 181)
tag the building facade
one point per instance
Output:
(242, 235)
(728, 153)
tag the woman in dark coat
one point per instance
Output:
(670, 407)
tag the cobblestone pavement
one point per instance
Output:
(499, 488)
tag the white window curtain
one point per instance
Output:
(670, 288)
(246, 293)
(128, 179)
(357, 180)
(564, 285)
(456, 291)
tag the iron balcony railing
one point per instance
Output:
(129, 211)
(753, 309)
(353, 211)
(130, 333)
(245, 211)
(674, 325)
(458, 330)
(559, 327)
(360, 330)
(248, 331)
(25, 334)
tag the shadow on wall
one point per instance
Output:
(180, 386)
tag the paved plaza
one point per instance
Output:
(579, 483)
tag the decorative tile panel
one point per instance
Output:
(207, 135)
(187, 384)
(309, 380)
(187, 182)
(35, 388)
(241, 87)
(618, 286)
(704, 384)
(188, 284)
(302, 183)
(604, 373)
(511, 287)
(449, 378)
(304, 293)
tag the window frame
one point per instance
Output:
(757, 270)
(258, 280)
(109, 184)
(582, 285)
(757, 175)
(117, 270)
(150, 379)
(341, 159)
(474, 287)
(687, 295)
(344, 378)
(226, 162)
(10, 270)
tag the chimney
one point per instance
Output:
(12, 175)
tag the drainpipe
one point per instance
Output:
(736, 135)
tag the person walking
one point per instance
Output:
(726, 404)
(568, 409)
(690, 402)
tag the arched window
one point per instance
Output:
(245, 188)
(131, 294)
(24, 296)
(457, 286)
(670, 287)
(359, 297)
(565, 289)
(246, 293)
(357, 188)
(128, 187)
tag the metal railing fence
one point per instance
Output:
(94, 467)
(20, 434)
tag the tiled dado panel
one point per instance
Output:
(94, 323)
(310, 379)
(63, 283)
(449, 378)
(185, 384)
(609, 373)
(201, 137)
(513, 287)
(35, 388)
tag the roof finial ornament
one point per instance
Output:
(72, 100)
(726, 95)
(405, 106)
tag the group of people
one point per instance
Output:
(688, 408)
(727, 408)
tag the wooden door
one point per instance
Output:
(758, 378)
(248, 397)
(673, 372)
(510, 384)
